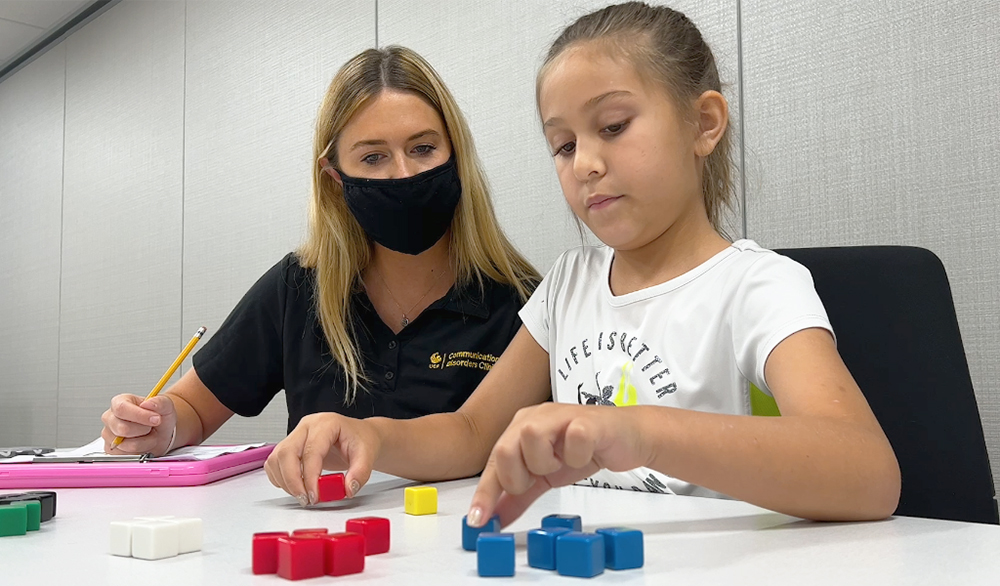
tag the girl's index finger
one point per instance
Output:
(491, 499)
(484, 500)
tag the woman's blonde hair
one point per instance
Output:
(338, 248)
(665, 45)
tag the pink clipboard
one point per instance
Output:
(123, 474)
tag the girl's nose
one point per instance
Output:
(588, 164)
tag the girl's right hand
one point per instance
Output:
(323, 441)
(147, 425)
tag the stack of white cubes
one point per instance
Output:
(155, 538)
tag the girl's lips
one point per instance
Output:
(602, 201)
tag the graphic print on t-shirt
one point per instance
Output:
(622, 365)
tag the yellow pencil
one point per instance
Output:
(170, 372)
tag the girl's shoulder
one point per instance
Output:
(582, 258)
(753, 262)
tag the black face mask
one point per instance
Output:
(406, 215)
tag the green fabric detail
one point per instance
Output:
(761, 403)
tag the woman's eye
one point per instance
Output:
(424, 149)
(371, 159)
(566, 149)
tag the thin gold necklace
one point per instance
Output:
(406, 320)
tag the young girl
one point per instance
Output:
(647, 346)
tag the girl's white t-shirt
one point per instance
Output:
(693, 342)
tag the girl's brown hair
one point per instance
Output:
(338, 248)
(666, 45)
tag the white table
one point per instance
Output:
(688, 540)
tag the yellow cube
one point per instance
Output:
(420, 500)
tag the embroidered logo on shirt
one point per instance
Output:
(466, 359)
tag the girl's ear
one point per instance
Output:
(713, 118)
(325, 163)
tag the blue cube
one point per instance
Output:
(571, 522)
(471, 534)
(542, 547)
(580, 554)
(495, 554)
(622, 548)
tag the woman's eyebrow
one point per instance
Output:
(380, 142)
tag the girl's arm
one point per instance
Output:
(441, 446)
(824, 458)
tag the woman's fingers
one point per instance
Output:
(361, 453)
(317, 444)
(139, 445)
(285, 466)
(126, 408)
(322, 441)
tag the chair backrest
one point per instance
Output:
(892, 311)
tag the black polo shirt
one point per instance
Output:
(273, 340)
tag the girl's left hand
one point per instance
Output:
(552, 445)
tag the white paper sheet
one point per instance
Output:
(96, 448)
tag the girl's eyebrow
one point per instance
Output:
(591, 104)
(379, 142)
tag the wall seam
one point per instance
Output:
(62, 228)
(183, 170)
(743, 114)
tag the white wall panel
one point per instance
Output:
(488, 54)
(876, 123)
(31, 143)
(121, 277)
(256, 73)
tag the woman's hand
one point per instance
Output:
(146, 425)
(323, 441)
(552, 445)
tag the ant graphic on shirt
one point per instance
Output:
(604, 399)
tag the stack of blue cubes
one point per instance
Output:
(560, 544)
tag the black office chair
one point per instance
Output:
(892, 311)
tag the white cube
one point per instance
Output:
(155, 540)
(121, 538)
(190, 533)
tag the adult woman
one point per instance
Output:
(399, 302)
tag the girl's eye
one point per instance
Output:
(566, 149)
(614, 129)
(424, 149)
(371, 159)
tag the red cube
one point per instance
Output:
(317, 531)
(375, 530)
(345, 554)
(331, 487)
(301, 557)
(265, 552)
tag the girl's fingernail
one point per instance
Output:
(355, 487)
(475, 515)
(303, 500)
